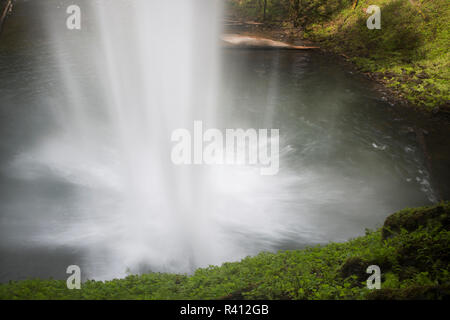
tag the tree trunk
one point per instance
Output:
(296, 12)
(265, 7)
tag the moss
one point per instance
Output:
(411, 219)
(413, 293)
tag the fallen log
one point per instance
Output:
(228, 22)
(236, 40)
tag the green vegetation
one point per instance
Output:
(412, 250)
(408, 54)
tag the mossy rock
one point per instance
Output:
(412, 219)
(354, 266)
(441, 292)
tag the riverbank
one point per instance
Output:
(412, 250)
(409, 55)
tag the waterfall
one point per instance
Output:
(153, 67)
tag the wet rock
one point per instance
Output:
(406, 130)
